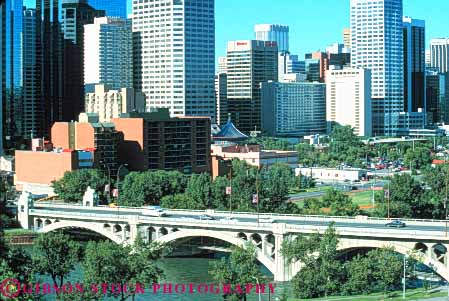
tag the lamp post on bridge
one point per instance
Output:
(118, 185)
(109, 178)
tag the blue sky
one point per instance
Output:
(313, 23)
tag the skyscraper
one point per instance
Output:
(377, 44)
(439, 54)
(49, 62)
(75, 14)
(112, 8)
(414, 65)
(33, 111)
(275, 33)
(348, 99)
(293, 109)
(249, 63)
(108, 54)
(175, 60)
(11, 70)
(347, 37)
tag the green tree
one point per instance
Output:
(379, 270)
(107, 262)
(243, 185)
(276, 183)
(55, 254)
(148, 188)
(406, 200)
(17, 264)
(199, 189)
(418, 158)
(239, 269)
(72, 186)
(219, 197)
(339, 203)
(323, 272)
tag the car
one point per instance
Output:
(396, 224)
(268, 220)
(229, 219)
(153, 211)
(206, 217)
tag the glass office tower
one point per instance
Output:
(11, 69)
(113, 8)
(377, 44)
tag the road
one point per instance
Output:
(324, 222)
(338, 186)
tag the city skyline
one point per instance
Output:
(301, 42)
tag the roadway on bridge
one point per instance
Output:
(237, 218)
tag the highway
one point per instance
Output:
(251, 218)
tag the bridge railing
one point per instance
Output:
(247, 214)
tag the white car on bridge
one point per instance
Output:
(154, 211)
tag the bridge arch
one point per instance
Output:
(82, 225)
(236, 241)
(405, 249)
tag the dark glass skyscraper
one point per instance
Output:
(75, 14)
(113, 8)
(11, 69)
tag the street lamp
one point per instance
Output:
(109, 177)
(258, 286)
(403, 279)
(118, 183)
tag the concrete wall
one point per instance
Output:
(43, 167)
(132, 145)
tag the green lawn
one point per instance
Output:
(363, 198)
(410, 295)
(14, 232)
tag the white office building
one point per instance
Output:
(348, 99)
(108, 53)
(175, 55)
(109, 104)
(294, 109)
(377, 44)
(439, 54)
(275, 33)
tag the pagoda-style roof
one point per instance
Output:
(229, 133)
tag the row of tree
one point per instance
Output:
(172, 189)
(326, 273)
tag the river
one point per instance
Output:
(181, 270)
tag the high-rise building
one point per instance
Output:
(175, 60)
(414, 65)
(222, 64)
(439, 54)
(221, 97)
(109, 104)
(437, 93)
(75, 14)
(154, 141)
(32, 108)
(338, 55)
(293, 109)
(108, 48)
(249, 63)
(290, 64)
(348, 99)
(377, 44)
(112, 8)
(428, 58)
(323, 61)
(312, 70)
(274, 33)
(49, 62)
(347, 37)
(11, 70)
